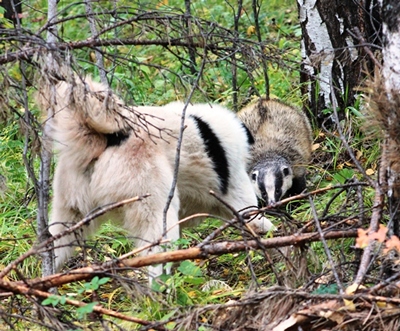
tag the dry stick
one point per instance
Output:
(327, 250)
(178, 149)
(28, 52)
(358, 35)
(306, 295)
(256, 11)
(21, 289)
(183, 254)
(96, 213)
(301, 196)
(374, 223)
(241, 221)
(93, 30)
(344, 141)
(236, 16)
(377, 211)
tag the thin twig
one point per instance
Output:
(178, 148)
(344, 140)
(98, 54)
(301, 196)
(327, 250)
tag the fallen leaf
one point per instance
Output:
(392, 243)
(362, 239)
(369, 172)
(251, 30)
(379, 235)
(315, 147)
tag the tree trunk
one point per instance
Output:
(333, 32)
(391, 79)
(13, 9)
(43, 187)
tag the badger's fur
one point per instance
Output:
(282, 148)
(108, 152)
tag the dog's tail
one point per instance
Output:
(81, 115)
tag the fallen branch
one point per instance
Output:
(25, 290)
(203, 252)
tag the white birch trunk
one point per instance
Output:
(391, 78)
(391, 51)
(45, 164)
(322, 56)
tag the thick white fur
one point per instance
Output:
(89, 175)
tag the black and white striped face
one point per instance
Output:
(272, 179)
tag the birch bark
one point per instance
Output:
(391, 79)
(43, 187)
(334, 33)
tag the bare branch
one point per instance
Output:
(184, 254)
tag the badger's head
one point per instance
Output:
(272, 178)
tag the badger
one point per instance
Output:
(281, 151)
(108, 152)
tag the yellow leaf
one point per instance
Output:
(369, 172)
(349, 305)
(315, 147)
(162, 3)
(92, 57)
(192, 294)
(251, 30)
(381, 304)
(353, 288)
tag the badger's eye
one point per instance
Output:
(254, 175)
(286, 171)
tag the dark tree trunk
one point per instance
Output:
(334, 33)
(13, 9)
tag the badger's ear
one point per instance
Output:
(286, 171)
(298, 186)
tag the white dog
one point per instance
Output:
(108, 152)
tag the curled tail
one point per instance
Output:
(82, 115)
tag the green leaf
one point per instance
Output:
(188, 268)
(194, 280)
(104, 280)
(327, 289)
(54, 300)
(87, 309)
